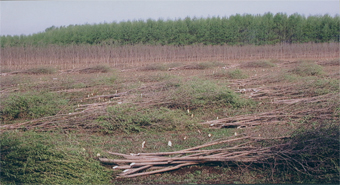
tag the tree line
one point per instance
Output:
(233, 30)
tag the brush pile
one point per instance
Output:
(308, 152)
(234, 149)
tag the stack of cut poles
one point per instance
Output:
(152, 163)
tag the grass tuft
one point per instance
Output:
(128, 119)
(96, 69)
(333, 62)
(205, 65)
(198, 93)
(258, 64)
(31, 105)
(40, 70)
(232, 74)
(155, 67)
(35, 158)
(308, 69)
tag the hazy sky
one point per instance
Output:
(28, 17)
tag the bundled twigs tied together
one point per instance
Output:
(243, 151)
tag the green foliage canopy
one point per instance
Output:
(234, 30)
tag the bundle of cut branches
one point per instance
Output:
(244, 150)
(313, 152)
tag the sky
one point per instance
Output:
(29, 17)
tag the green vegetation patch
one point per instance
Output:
(36, 158)
(333, 62)
(258, 64)
(315, 87)
(233, 30)
(40, 70)
(155, 67)
(204, 93)
(231, 74)
(156, 78)
(31, 105)
(308, 68)
(205, 65)
(96, 69)
(129, 119)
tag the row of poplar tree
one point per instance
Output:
(234, 30)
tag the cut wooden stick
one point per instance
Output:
(134, 164)
(131, 171)
(216, 143)
(158, 171)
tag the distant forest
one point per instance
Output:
(234, 30)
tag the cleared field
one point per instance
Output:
(60, 121)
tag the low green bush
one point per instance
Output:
(333, 62)
(231, 74)
(31, 105)
(204, 93)
(258, 64)
(205, 65)
(40, 70)
(307, 69)
(155, 78)
(96, 69)
(155, 67)
(32, 158)
(129, 119)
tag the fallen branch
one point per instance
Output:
(135, 164)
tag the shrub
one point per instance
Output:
(96, 69)
(125, 118)
(155, 78)
(31, 158)
(201, 93)
(308, 69)
(155, 67)
(31, 105)
(204, 65)
(232, 74)
(5, 70)
(333, 62)
(40, 70)
(258, 64)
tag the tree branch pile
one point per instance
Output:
(244, 150)
(313, 152)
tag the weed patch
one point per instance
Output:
(155, 67)
(334, 62)
(128, 119)
(203, 93)
(40, 70)
(322, 86)
(5, 70)
(204, 65)
(155, 78)
(33, 158)
(96, 69)
(258, 64)
(31, 105)
(308, 69)
(231, 74)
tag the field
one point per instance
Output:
(62, 114)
